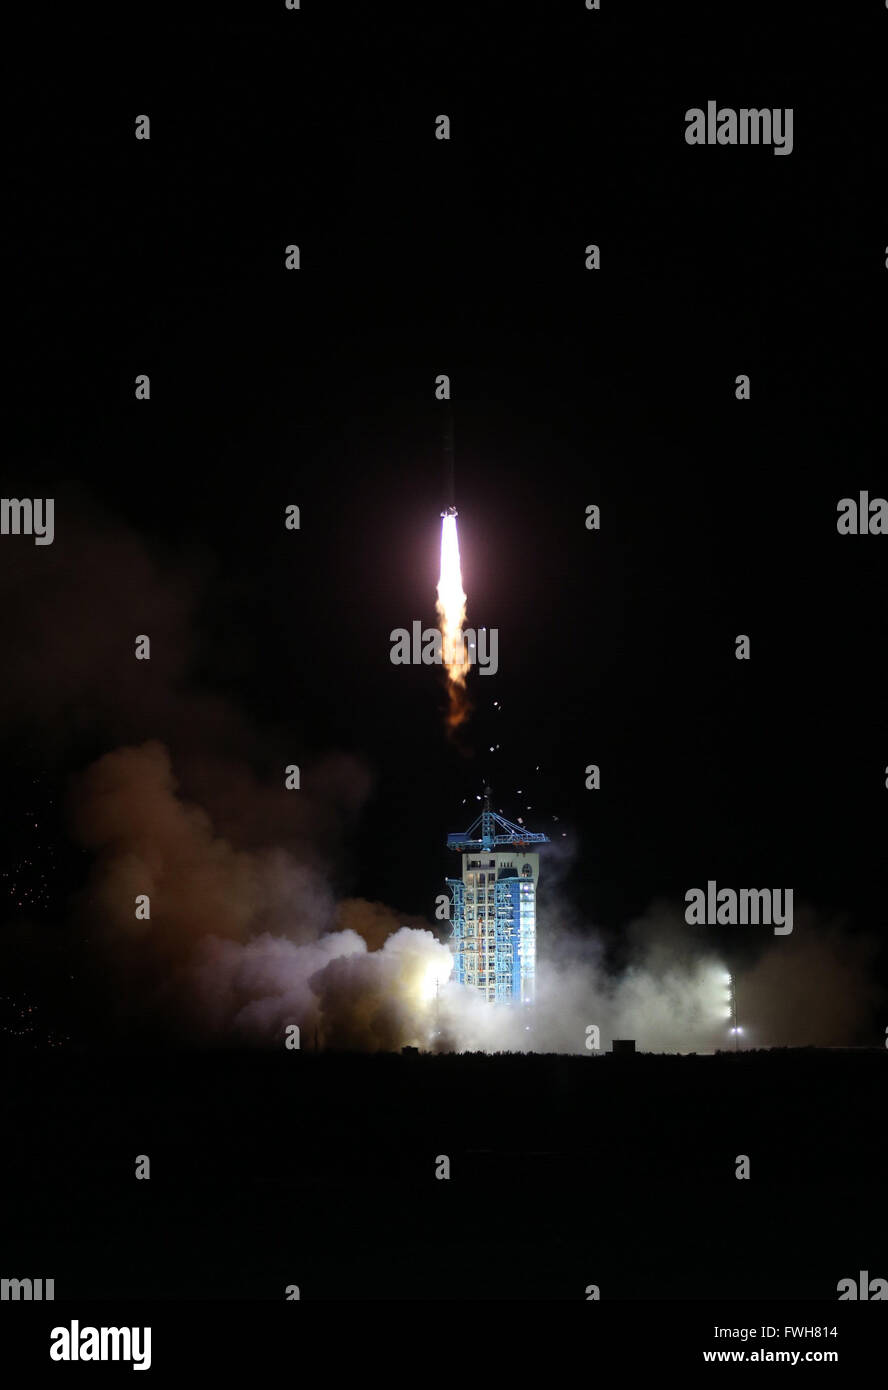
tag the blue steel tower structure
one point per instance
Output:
(493, 910)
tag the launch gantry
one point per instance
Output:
(494, 906)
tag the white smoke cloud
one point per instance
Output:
(242, 943)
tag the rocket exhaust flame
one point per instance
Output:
(451, 607)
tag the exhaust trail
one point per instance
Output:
(451, 608)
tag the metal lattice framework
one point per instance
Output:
(458, 923)
(490, 832)
(496, 832)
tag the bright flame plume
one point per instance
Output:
(451, 606)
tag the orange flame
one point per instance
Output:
(451, 606)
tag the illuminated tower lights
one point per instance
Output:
(494, 907)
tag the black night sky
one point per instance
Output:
(569, 387)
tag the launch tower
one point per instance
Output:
(494, 907)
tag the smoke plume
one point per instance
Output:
(243, 943)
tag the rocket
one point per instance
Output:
(450, 509)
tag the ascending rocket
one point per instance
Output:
(448, 464)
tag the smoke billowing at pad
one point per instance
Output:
(243, 943)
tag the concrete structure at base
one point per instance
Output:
(493, 911)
